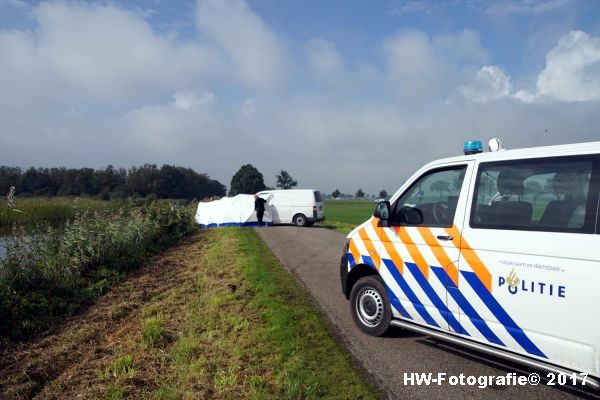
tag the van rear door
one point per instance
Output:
(318, 210)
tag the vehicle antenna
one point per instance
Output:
(544, 136)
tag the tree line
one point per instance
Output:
(249, 180)
(148, 180)
(360, 194)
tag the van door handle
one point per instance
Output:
(442, 237)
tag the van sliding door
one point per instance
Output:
(529, 265)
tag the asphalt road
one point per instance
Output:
(313, 255)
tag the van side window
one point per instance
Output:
(431, 200)
(549, 194)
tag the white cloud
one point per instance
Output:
(90, 85)
(114, 52)
(461, 47)
(67, 82)
(256, 51)
(490, 83)
(493, 7)
(425, 69)
(323, 59)
(525, 96)
(572, 71)
(14, 3)
(527, 7)
(417, 6)
(412, 65)
(252, 106)
(571, 74)
(187, 100)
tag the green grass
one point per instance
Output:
(312, 363)
(244, 329)
(154, 333)
(344, 215)
(33, 212)
(122, 367)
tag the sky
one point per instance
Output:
(342, 94)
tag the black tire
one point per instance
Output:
(370, 305)
(300, 220)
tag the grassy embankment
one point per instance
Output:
(215, 318)
(241, 329)
(50, 272)
(344, 215)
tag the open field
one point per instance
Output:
(215, 318)
(344, 215)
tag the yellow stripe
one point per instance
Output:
(413, 251)
(389, 246)
(471, 256)
(440, 254)
(354, 250)
(370, 248)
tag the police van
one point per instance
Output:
(498, 251)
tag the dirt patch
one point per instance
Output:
(65, 361)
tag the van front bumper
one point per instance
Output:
(315, 219)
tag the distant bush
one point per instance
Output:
(50, 273)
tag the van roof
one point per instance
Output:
(546, 151)
(288, 190)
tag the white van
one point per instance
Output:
(496, 251)
(302, 207)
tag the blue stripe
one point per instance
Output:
(464, 304)
(435, 299)
(409, 293)
(367, 260)
(351, 259)
(396, 303)
(393, 299)
(251, 223)
(509, 324)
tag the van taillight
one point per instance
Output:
(315, 211)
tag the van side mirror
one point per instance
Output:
(382, 212)
(410, 216)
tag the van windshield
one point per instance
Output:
(317, 196)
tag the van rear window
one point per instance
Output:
(317, 196)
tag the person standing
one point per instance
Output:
(259, 207)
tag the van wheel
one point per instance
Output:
(370, 305)
(300, 220)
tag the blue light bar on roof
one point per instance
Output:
(472, 147)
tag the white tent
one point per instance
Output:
(230, 211)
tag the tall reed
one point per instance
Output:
(33, 212)
(49, 273)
